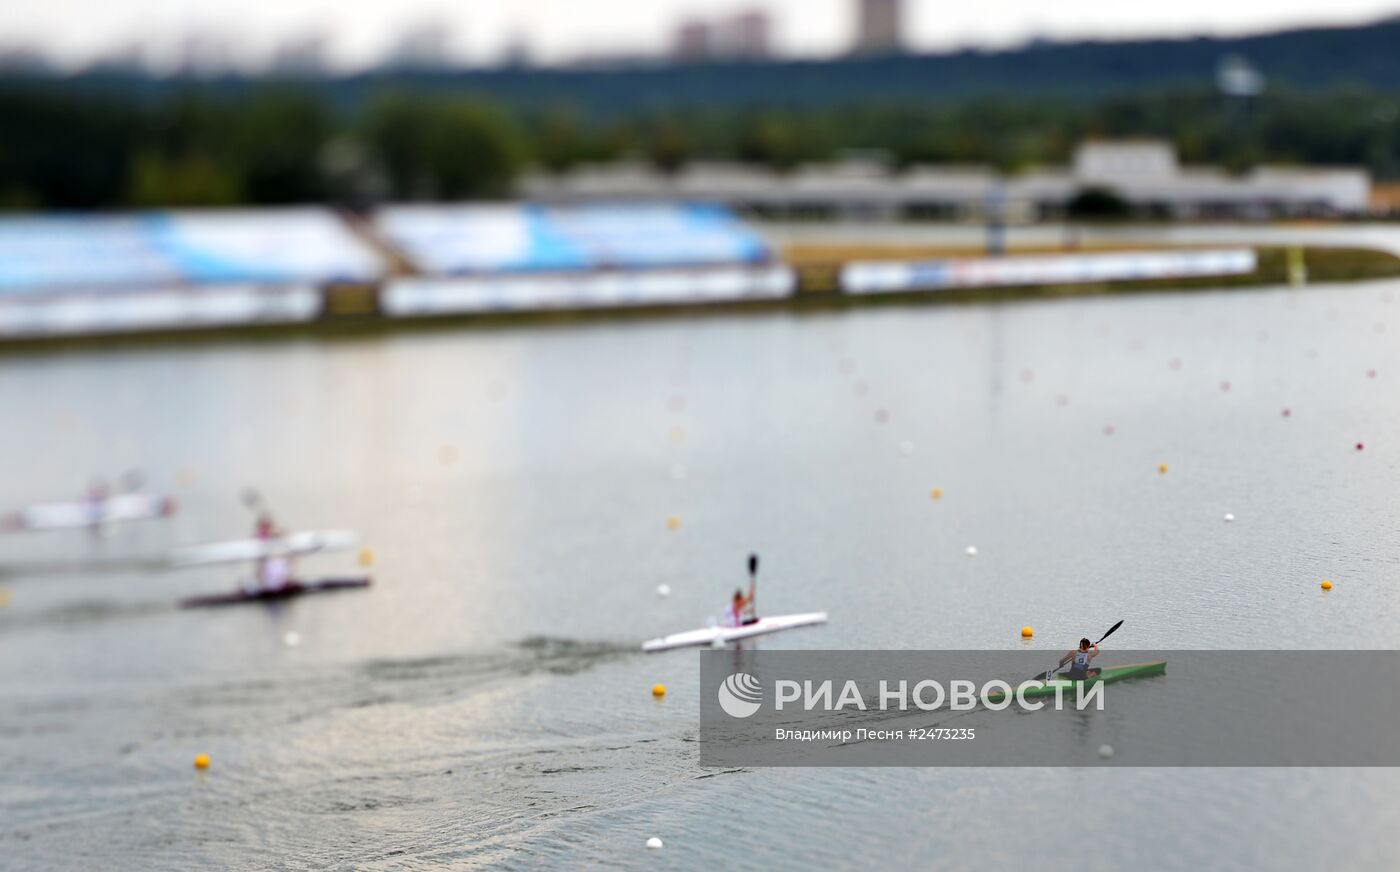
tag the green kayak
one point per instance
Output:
(1108, 675)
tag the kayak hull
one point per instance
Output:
(242, 550)
(1109, 675)
(80, 514)
(289, 591)
(710, 636)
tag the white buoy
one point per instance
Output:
(677, 471)
(1105, 751)
(906, 447)
(291, 639)
(1229, 517)
(654, 842)
(663, 590)
(971, 551)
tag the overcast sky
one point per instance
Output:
(359, 30)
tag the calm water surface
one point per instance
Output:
(484, 702)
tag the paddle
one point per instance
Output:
(753, 581)
(1050, 673)
(251, 499)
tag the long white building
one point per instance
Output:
(1146, 174)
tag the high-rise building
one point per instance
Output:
(424, 47)
(205, 53)
(127, 58)
(879, 27)
(741, 37)
(300, 56)
(745, 36)
(693, 42)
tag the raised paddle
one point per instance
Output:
(1050, 673)
(753, 581)
(252, 500)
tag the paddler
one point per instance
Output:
(740, 611)
(98, 493)
(271, 572)
(1079, 660)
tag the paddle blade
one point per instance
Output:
(251, 498)
(1110, 632)
(753, 564)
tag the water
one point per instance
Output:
(484, 704)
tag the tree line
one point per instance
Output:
(63, 148)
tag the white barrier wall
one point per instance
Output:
(108, 312)
(876, 277)
(413, 297)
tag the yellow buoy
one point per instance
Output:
(673, 523)
(366, 557)
(1027, 632)
(1326, 585)
(201, 761)
(677, 434)
(658, 690)
(1162, 468)
(936, 493)
(4, 597)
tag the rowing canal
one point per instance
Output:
(524, 491)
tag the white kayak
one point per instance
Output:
(725, 635)
(242, 550)
(85, 513)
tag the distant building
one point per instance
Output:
(205, 54)
(303, 56)
(742, 37)
(517, 54)
(745, 36)
(125, 59)
(1116, 160)
(421, 48)
(692, 42)
(879, 27)
(1145, 174)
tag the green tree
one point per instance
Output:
(276, 143)
(443, 148)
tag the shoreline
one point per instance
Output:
(816, 266)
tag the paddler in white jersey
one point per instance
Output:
(272, 572)
(740, 611)
(1079, 660)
